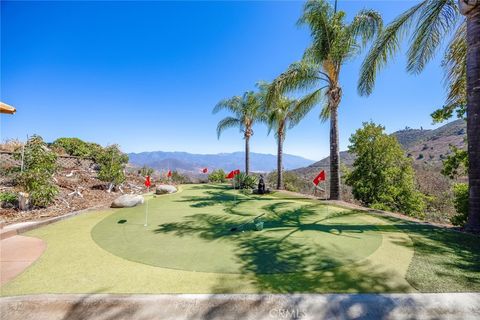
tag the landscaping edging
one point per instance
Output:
(242, 306)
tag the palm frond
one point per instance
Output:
(385, 47)
(366, 25)
(300, 75)
(303, 106)
(455, 68)
(226, 123)
(435, 21)
(233, 105)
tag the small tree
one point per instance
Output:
(217, 176)
(382, 176)
(146, 171)
(77, 147)
(39, 165)
(112, 163)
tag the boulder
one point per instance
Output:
(127, 200)
(165, 188)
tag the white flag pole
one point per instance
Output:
(146, 209)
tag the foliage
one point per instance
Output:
(245, 109)
(245, 181)
(217, 176)
(146, 171)
(178, 178)
(460, 202)
(112, 163)
(431, 22)
(456, 164)
(291, 182)
(38, 169)
(382, 177)
(8, 198)
(76, 147)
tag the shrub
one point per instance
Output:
(146, 171)
(460, 202)
(76, 147)
(8, 198)
(245, 181)
(38, 169)
(217, 176)
(291, 182)
(112, 163)
(382, 175)
(179, 178)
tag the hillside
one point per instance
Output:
(425, 147)
(192, 163)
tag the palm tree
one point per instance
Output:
(283, 113)
(246, 111)
(431, 22)
(334, 42)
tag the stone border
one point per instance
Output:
(242, 306)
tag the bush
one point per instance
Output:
(8, 199)
(245, 181)
(179, 178)
(291, 182)
(38, 169)
(76, 147)
(217, 176)
(382, 176)
(460, 202)
(112, 163)
(146, 171)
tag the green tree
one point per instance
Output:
(39, 166)
(246, 111)
(77, 147)
(431, 22)
(217, 176)
(146, 171)
(112, 163)
(382, 176)
(283, 113)
(334, 42)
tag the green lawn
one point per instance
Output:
(189, 247)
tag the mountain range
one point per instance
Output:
(192, 163)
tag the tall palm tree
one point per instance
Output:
(283, 113)
(431, 22)
(246, 111)
(334, 42)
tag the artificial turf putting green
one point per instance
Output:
(197, 232)
(304, 247)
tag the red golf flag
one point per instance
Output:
(235, 172)
(147, 182)
(321, 177)
(230, 175)
(169, 174)
(204, 170)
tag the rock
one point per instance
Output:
(165, 188)
(23, 201)
(127, 201)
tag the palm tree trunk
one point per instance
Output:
(334, 101)
(247, 154)
(473, 117)
(280, 160)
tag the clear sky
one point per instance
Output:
(146, 75)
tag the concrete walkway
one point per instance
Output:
(242, 306)
(16, 254)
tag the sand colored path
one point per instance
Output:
(18, 253)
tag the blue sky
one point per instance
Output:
(146, 75)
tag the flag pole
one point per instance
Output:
(146, 208)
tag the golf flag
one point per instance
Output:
(235, 172)
(204, 170)
(320, 177)
(169, 174)
(230, 175)
(147, 182)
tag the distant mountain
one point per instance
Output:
(425, 147)
(188, 162)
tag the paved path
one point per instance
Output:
(16, 254)
(242, 306)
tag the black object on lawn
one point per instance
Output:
(121, 221)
